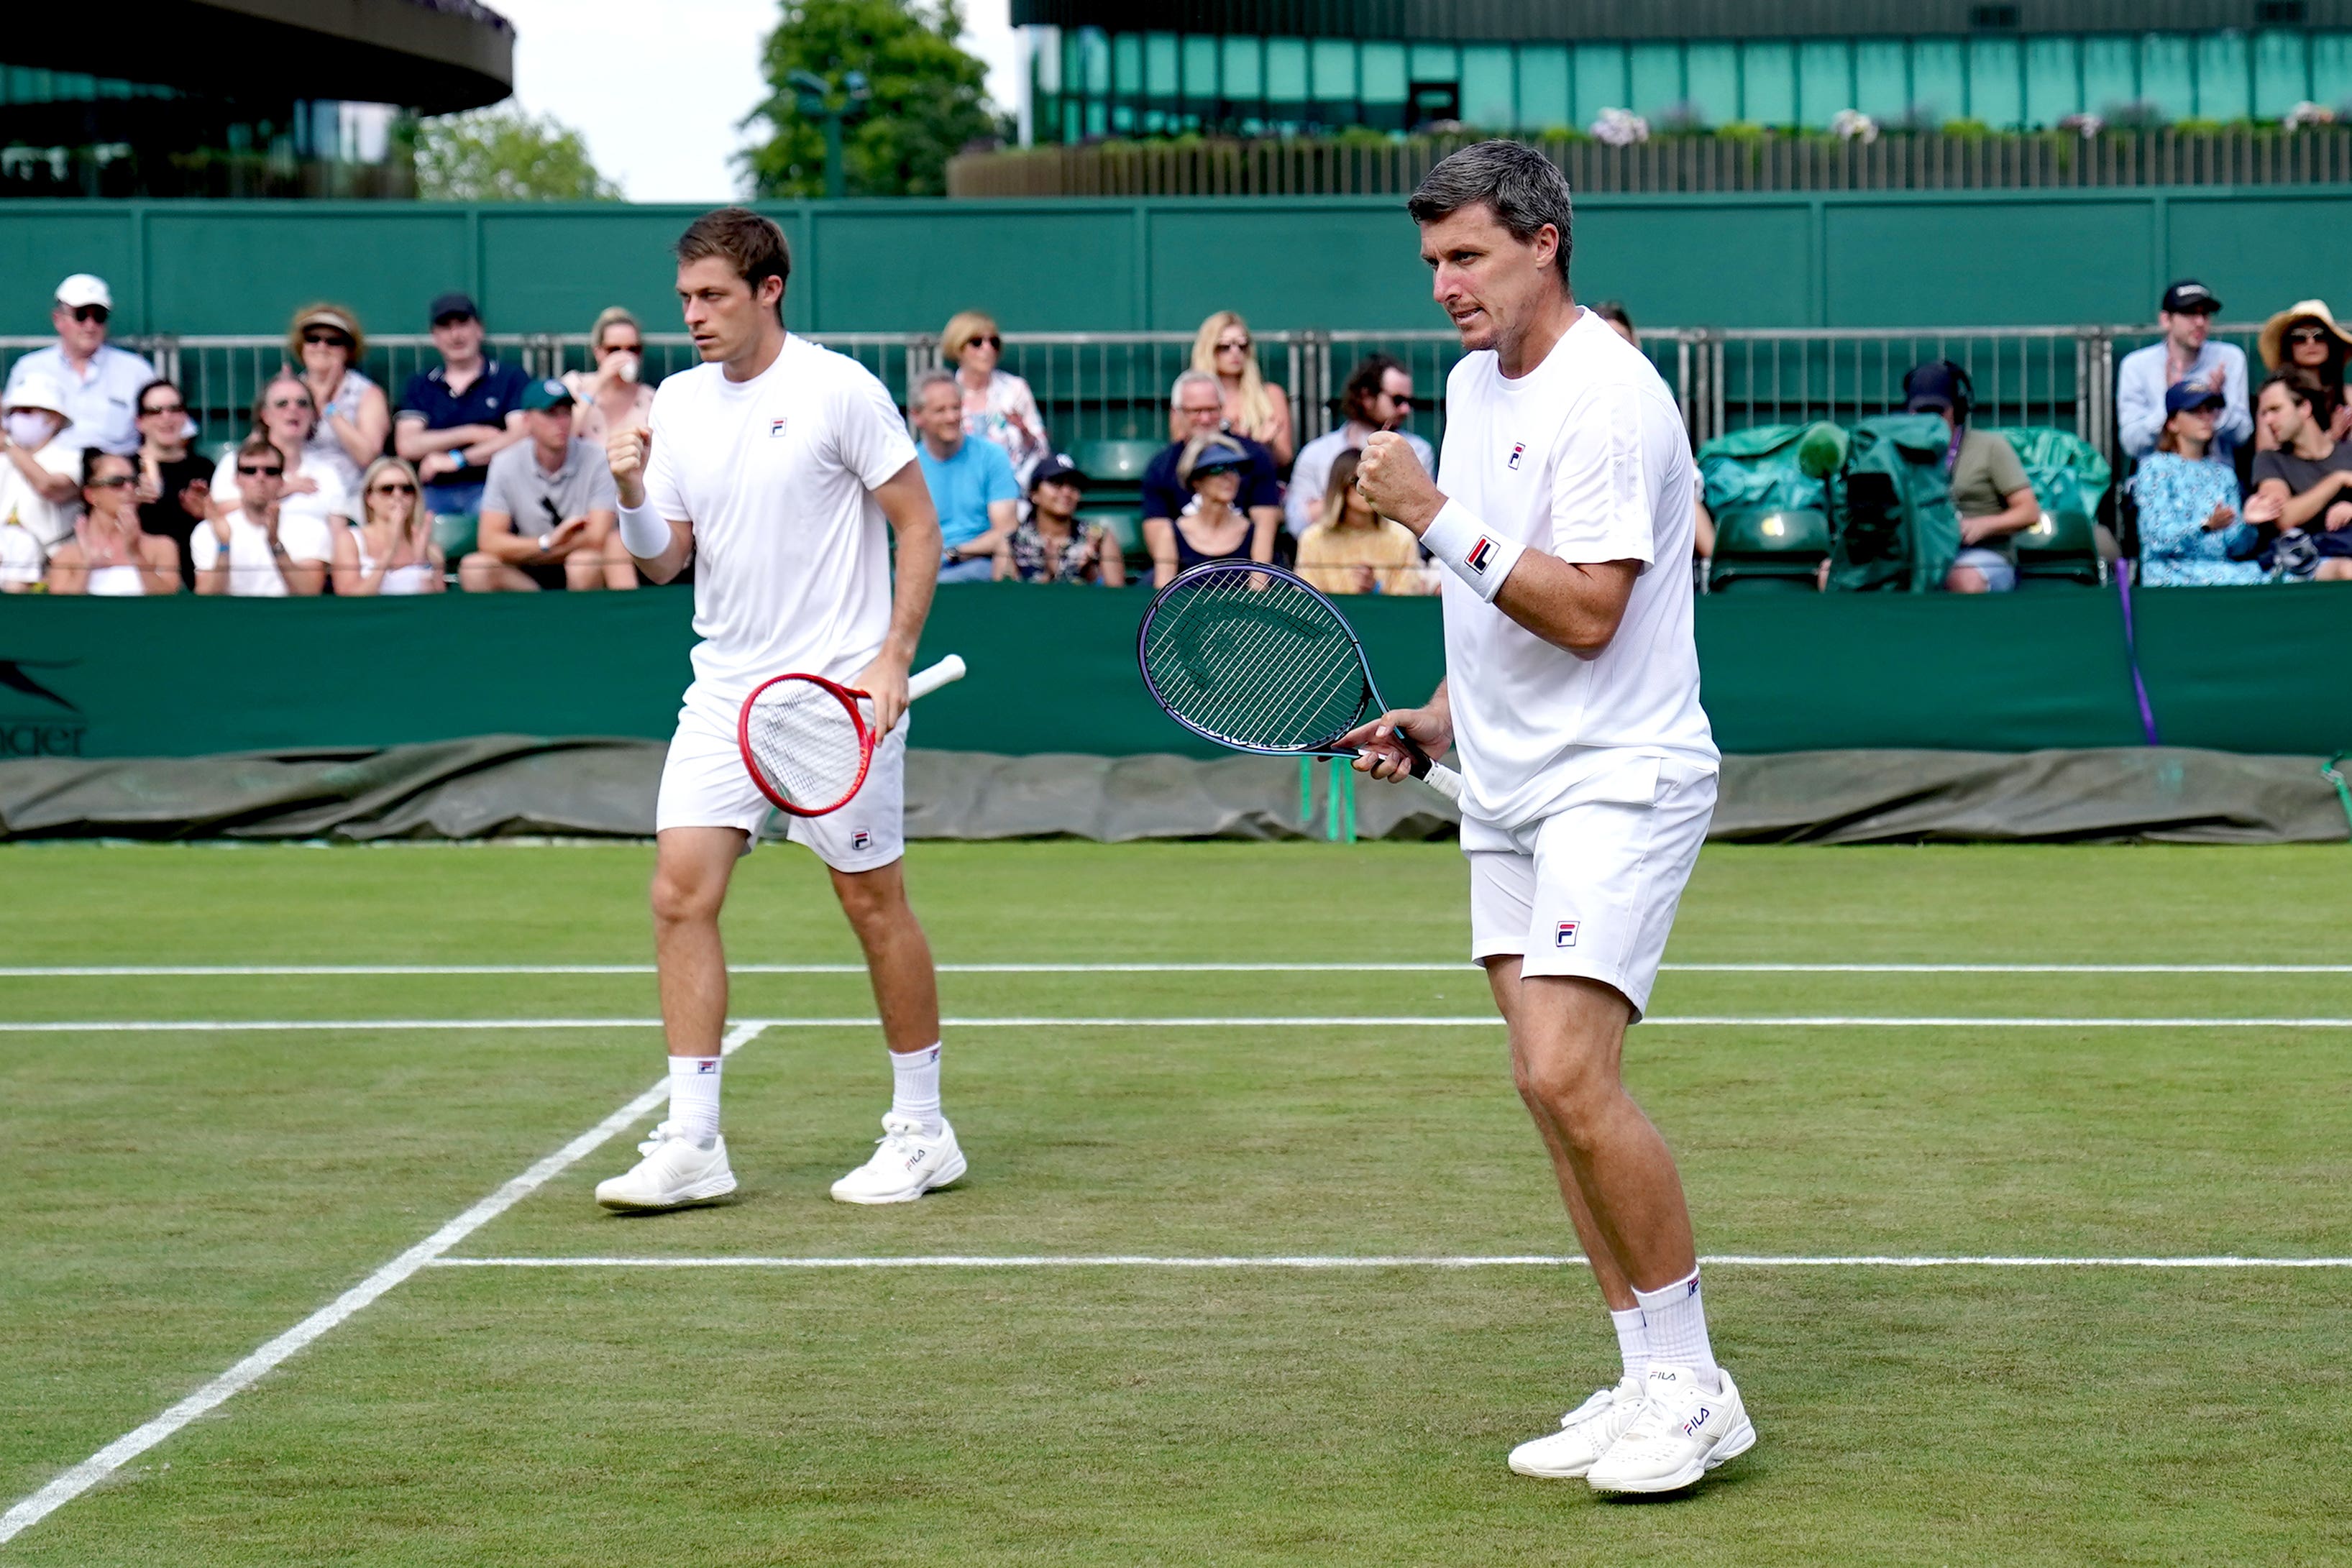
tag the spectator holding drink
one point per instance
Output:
(326, 342)
(2188, 507)
(109, 554)
(614, 395)
(175, 484)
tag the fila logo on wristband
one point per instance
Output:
(1480, 555)
(1565, 935)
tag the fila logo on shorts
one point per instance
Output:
(1480, 555)
(776, 427)
(1518, 450)
(1564, 935)
(861, 840)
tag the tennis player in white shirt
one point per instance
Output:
(774, 466)
(1562, 511)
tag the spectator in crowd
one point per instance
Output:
(176, 483)
(615, 394)
(391, 550)
(40, 479)
(1196, 407)
(2304, 340)
(1050, 544)
(1212, 525)
(1254, 407)
(354, 418)
(551, 512)
(997, 405)
(1353, 549)
(313, 485)
(1378, 396)
(1992, 495)
(109, 554)
(2183, 354)
(253, 549)
(1620, 319)
(2299, 497)
(970, 481)
(2188, 506)
(98, 382)
(456, 416)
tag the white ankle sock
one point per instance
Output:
(694, 1098)
(1674, 1319)
(915, 1087)
(1632, 1340)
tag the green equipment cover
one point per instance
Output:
(1891, 507)
(2067, 472)
(1771, 468)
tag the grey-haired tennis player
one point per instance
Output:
(1561, 511)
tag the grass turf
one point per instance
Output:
(189, 1196)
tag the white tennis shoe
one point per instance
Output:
(1681, 1432)
(907, 1164)
(1585, 1434)
(676, 1173)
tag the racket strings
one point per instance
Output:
(807, 742)
(1265, 666)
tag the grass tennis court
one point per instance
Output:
(186, 1196)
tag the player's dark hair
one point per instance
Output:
(1518, 185)
(753, 245)
(1364, 385)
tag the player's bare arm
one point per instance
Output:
(624, 454)
(1573, 605)
(906, 501)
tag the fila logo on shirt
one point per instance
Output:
(776, 427)
(1564, 935)
(1480, 555)
(1518, 450)
(861, 840)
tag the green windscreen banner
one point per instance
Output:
(2258, 670)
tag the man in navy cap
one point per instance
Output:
(456, 416)
(2183, 356)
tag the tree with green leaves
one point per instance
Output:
(504, 155)
(929, 97)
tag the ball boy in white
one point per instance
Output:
(776, 466)
(1562, 509)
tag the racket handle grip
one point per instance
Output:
(1439, 777)
(925, 682)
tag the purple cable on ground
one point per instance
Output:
(2131, 654)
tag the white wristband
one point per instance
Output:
(1477, 556)
(644, 531)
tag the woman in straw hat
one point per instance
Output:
(324, 344)
(2305, 340)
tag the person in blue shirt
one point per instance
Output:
(2189, 522)
(461, 414)
(970, 481)
(100, 382)
(2183, 356)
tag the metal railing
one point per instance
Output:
(1114, 386)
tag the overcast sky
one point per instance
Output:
(657, 90)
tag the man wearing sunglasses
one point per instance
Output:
(100, 382)
(1378, 396)
(2183, 357)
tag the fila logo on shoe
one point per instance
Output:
(1565, 935)
(1695, 1422)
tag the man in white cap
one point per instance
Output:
(40, 479)
(100, 382)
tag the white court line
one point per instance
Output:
(1310, 1261)
(198, 971)
(1402, 1020)
(30, 1510)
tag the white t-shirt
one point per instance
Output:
(1584, 457)
(252, 570)
(332, 498)
(776, 474)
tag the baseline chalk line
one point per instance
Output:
(1403, 1020)
(63, 1488)
(203, 971)
(1312, 1261)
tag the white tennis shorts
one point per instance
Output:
(705, 784)
(1590, 890)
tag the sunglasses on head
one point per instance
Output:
(97, 313)
(147, 409)
(256, 471)
(397, 487)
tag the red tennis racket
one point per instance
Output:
(806, 741)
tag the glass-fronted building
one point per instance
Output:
(1270, 67)
(232, 99)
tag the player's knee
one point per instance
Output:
(1570, 1088)
(683, 896)
(872, 899)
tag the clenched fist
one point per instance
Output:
(1391, 478)
(624, 453)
